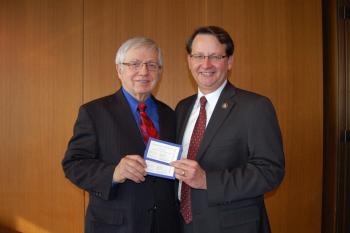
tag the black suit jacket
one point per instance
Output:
(104, 132)
(241, 152)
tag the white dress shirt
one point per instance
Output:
(212, 99)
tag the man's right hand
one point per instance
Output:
(132, 167)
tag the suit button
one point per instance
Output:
(154, 208)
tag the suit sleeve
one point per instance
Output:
(81, 163)
(264, 167)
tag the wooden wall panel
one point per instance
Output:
(279, 54)
(41, 74)
(109, 23)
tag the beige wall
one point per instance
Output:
(56, 55)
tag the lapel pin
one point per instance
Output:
(224, 105)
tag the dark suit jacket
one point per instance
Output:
(104, 132)
(241, 152)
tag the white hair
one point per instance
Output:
(137, 42)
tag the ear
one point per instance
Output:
(188, 60)
(118, 67)
(230, 62)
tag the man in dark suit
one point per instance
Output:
(232, 143)
(105, 154)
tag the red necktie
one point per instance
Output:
(146, 125)
(197, 135)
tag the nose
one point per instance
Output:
(143, 69)
(207, 62)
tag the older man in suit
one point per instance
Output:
(232, 144)
(105, 154)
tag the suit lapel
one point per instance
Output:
(222, 109)
(183, 118)
(120, 109)
(162, 119)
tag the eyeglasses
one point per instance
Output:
(212, 58)
(136, 66)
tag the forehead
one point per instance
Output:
(141, 53)
(207, 43)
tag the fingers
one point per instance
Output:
(180, 173)
(185, 169)
(130, 167)
(190, 172)
(184, 164)
(179, 170)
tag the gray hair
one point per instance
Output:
(138, 42)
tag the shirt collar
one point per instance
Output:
(133, 103)
(212, 98)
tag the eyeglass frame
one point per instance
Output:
(211, 58)
(137, 66)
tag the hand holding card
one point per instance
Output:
(158, 155)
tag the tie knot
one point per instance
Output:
(203, 101)
(141, 107)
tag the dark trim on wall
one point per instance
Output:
(336, 31)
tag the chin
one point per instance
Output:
(208, 84)
(144, 91)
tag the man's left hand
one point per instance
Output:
(191, 173)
